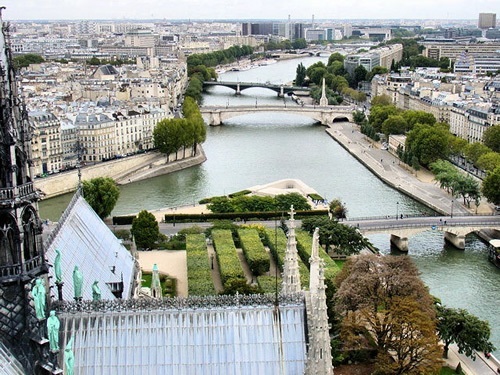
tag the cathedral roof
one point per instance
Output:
(8, 363)
(85, 241)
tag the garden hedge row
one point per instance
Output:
(227, 258)
(269, 215)
(268, 283)
(123, 220)
(199, 269)
(254, 251)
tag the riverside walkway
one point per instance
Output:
(393, 172)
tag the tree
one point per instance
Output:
(145, 230)
(299, 43)
(491, 186)
(412, 346)
(414, 117)
(335, 57)
(301, 75)
(382, 298)
(94, 61)
(376, 70)
(428, 143)
(491, 138)
(379, 114)
(101, 194)
(343, 238)
(283, 202)
(475, 150)
(464, 329)
(489, 161)
(359, 75)
(381, 100)
(338, 209)
(24, 61)
(394, 124)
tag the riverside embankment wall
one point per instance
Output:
(123, 171)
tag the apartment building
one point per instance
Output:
(436, 50)
(470, 120)
(382, 56)
(46, 142)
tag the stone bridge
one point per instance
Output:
(454, 229)
(240, 86)
(325, 115)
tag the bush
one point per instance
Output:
(227, 258)
(200, 281)
(145, 230)
(123, 220)
(253, 249)
(190, 218)
(268, 283)
(240, 193)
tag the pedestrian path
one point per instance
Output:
(480, 366)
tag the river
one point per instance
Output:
(253, 150)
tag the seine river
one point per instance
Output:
(258, 149)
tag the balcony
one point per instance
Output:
(21, 191)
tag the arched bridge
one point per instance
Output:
(325, 115)
(240, 86)
(454, 228)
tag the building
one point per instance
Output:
(487, 20)
(46, 142)
(470, 120)
(453, 49)
(383, 56)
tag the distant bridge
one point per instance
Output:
(240, 86)
(454, 228)
(324, 115)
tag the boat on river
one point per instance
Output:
(494, 252)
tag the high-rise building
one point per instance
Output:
(487, 20)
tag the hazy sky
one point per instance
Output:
(247, 9)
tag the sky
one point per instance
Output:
(245, 9)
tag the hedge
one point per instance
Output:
(269, 215)
(200, 281)
(315, 197)
(238, 193)
(279, 253)
(304, 247)
(123, 220)
(254, 251)
(268, 284)
(227, 258)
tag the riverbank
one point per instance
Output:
(123, 171)
(420, 186)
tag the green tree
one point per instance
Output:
(475, 150)
(301, 75)
(414, 117)
(24, 61)
(220, 205)
(343, 238)
(335, 57)
(491, 186)
(359, 75)
(145, 230)
(489, 161)
(94, 61)
(299, 43)
(464, 329)
(491, 138)
(101, 194)
(168, 137)
(394, 124)
(379, 114)
(283, 202)
(376, 70)
(358, 117)
(428, 143)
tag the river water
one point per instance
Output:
(258, 149)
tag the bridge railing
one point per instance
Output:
(437, 225)
(388, 217)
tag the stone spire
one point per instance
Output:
(291, 276)
(323, 102)
(155, 283)
(319, 353)
(21, 251)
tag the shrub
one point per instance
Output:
(253, 249)
(268, 283)
(123, 220)
(198, 266)
(227, 258)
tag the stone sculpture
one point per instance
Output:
(77, 283)
(38, 292)
(96, 291)
(53, 325)
(69, 358)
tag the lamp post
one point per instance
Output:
(397, 210)
(451, 212)
(255, 102)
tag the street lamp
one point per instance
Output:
(397, 210)
(451, 213)
(255, 102)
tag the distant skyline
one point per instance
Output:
(239, 9)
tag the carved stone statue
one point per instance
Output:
(53, 325)
(69, 358)
(38, 292)
(77, 282)
(96, 291)
(57, 267)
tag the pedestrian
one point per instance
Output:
(445, 222)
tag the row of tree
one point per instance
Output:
(255, 203)
(456, 183)
(285, 45)
(215, 58)
(170, 135)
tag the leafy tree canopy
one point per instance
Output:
(23, 61)
(145, 230)
(491, 138)
(491, 186)
(101, 193)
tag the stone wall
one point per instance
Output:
(125, 170)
